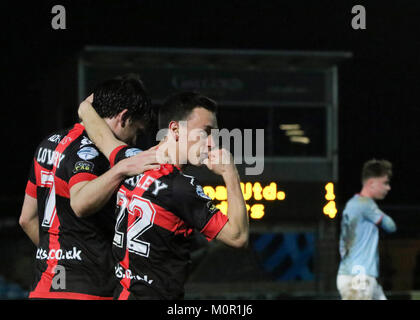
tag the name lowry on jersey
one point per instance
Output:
(49, 157)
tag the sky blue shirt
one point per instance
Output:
(359, 236)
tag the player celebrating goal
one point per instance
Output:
(359, 267)
(63, 214)
(160, 209)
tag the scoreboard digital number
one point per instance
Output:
(330, 209)
(274, 201)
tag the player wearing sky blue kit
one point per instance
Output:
(359, 267)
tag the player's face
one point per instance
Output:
(380, 187)
(200, 141)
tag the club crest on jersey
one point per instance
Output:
(201, 193)
(87, 153)
(132, 152)
(212, 208)
(83, 166)
(85, 141)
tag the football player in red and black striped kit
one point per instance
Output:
(158, 210)
(71, 223)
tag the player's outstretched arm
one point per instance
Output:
(235, 232)
(28, 219)
(88, 197)
(97, 129)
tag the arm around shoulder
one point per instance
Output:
(98, 130)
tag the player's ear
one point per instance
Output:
(122, 118)
(370, 182)
(174, 129)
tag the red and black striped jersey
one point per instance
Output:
(157, 213)
(82, 247)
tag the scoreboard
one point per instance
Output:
(273, 202)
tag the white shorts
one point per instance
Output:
(359, 287)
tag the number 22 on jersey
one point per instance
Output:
(141, 215)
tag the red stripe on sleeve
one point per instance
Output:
(30, 189)
(114, 154)
(215, 224)
(81, 177)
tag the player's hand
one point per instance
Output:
(90, 98)
(141, 162)
(85, 104)
(220, 161)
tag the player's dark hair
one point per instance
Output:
(124, 92)
(179, 106)
(376, 168)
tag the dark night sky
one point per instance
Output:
(378, 87)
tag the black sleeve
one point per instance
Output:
(85, 164)
(122, 152)
(194, 207)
